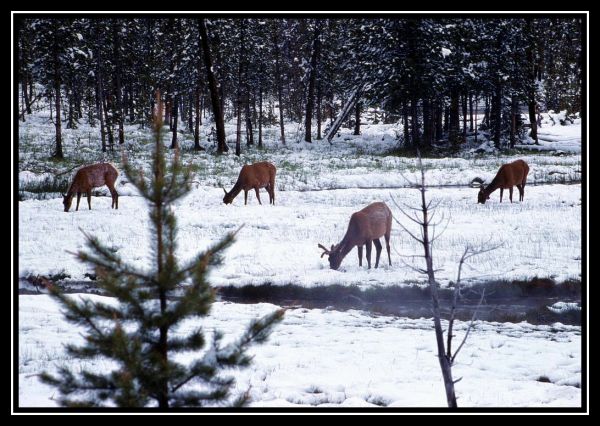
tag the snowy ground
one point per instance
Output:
(278, 244)
(324, 357)
(349, 359)
(318, 187)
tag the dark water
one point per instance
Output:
(503, 301)
(514, 301)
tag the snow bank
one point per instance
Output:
(346, 359)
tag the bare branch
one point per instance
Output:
(468, 328)
(408, 232)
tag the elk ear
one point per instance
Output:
(224, 190)
(332, 247)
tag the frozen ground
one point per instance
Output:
(324, 357)
(278, 244)
(348, 359)
(318, 187)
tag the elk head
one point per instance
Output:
(227, 199)
(67, 200)
(335, 259)
(482, 196)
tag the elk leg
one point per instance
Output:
(387, 247)
(257, 195)
(359, 255)
(78, 198)
(501, 192)
(272, 186)
(113, 195)
(521, 191)
(368, 245)
(377, 251)
(510, 190)
(89, 197)
(245, 197)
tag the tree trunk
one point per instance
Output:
(238, 129)
(90, 105)
(108, 120)
(214, 89)
(174, 144)
(26, 94)
(414, 121)
(406, 133)
(70, 122)
(476, 118)
(433, 288)
(197, 146)
(471, 112)
(190, 116)
(169, 109)
(131, 105)
(513, 120)
(496, 115)
(454, 125)
(464, 114)
(99, 104)
(249, 129)
(532, 109)
(117, 58)
(427, 119)
(486, 114)
(57, 121)
(260, 113)
(357, 119)
(531, 98)
(281, 123)
(319, 95)
(311, 86)
(446, 119)
(439, 125)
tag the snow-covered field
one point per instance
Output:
(278, 244)
(325, 357)
(318, 187)
(349, 359)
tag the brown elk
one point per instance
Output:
(253, 176)
(366, 226)
(508, 175)
(90, 177)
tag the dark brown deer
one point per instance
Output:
(509, 175)
(366, 226)
(253, 176)
(90, 177)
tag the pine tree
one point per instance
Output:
(137, 333)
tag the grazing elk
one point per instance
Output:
(509, 175)
(366, 226)
(90, 177)
(253, 176)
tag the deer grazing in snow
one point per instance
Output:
(508, 175)
(88, 178)
(366, 226)
(253, 176)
